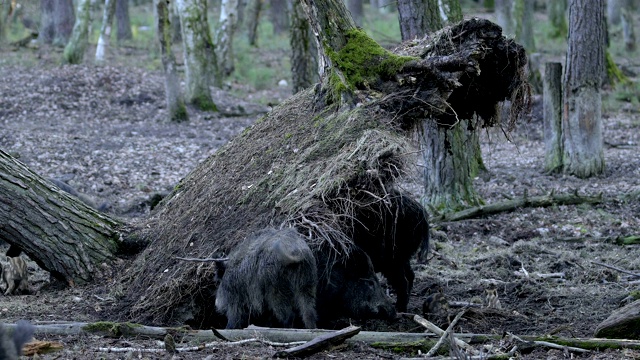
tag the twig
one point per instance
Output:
(446, 333)
(616, 269)
(202, 260)
(319, 343)
(436, 330)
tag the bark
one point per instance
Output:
(224, 37)
(552, 116)
(61, 234)
(254, 9)
(583, 154)
(176, 109)
(77, 45)
(199, 54)
(622, 323)
(418, 18)
(278, 15)
(304, 53)
(123, 29)
(176, 31)
(105, 30)
(357, 11)
(56, 21)
(557, 12)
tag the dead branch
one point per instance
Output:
(202, 260)
(320, 343)
(436, 330)
(616, 269)
(446, 334)
(525, 201)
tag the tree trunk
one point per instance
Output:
(552, 113)
(176, 31)
(557, 12)
(614, 11)
(451, 11)
(224, 37)
(253, 19)
(505, 11)
(105, 30)
(628, 32)
(418, 18)
(525, 33)
(357, 11)
(313, 163)
(199, 54)
(278, 16)
(176, 108)
(56, 21)
(123, 30)
(304, 54)
(61, 234)
(77, 45)
(583, 154)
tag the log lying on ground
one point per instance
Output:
(623, 322)
(317, 159)
(63, 235)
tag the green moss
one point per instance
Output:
(363, 61)
(614, 74)
(109, 328)
(203, 103)
(410, 347)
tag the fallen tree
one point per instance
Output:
(322, 156)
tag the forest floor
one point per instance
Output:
(101, 129)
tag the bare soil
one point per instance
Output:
(102, 130)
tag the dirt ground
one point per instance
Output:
(101, 129)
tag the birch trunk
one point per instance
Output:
(77, 45)
(552, 113)
(199, 54)
(583, 154)
(61, 234)
(105, 30)
(224, 37)
(176, 108)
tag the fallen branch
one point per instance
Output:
(320, 343)
(436, 330)
(446, 334)
(616, 269)
(201, 259)
(525, 201)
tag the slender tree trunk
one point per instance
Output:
(582, 118)
(224, 37)
(614, 11)
(357, 11)
(450, 11)
(418, 18)
(123, 30)
(525, 33)
(278, 15)
(176, 108)
(61, 234)
(47, 21)
(105, 30)
(253, 19)
(304, 54)
(557, 12)
(552, 112)
(176, 31)
(505, 16)
(77, 45)
(628, 32)
(199, 54)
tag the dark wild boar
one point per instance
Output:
(349, 288)
(15, 276)
(269, 279)
(391, 231)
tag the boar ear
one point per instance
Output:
(221, 266)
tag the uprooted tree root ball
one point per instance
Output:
(306, 163)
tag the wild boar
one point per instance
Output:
(269, 279)
(16, 276)
(11, 345)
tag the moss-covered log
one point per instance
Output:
(64, 236)
(313, 162)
